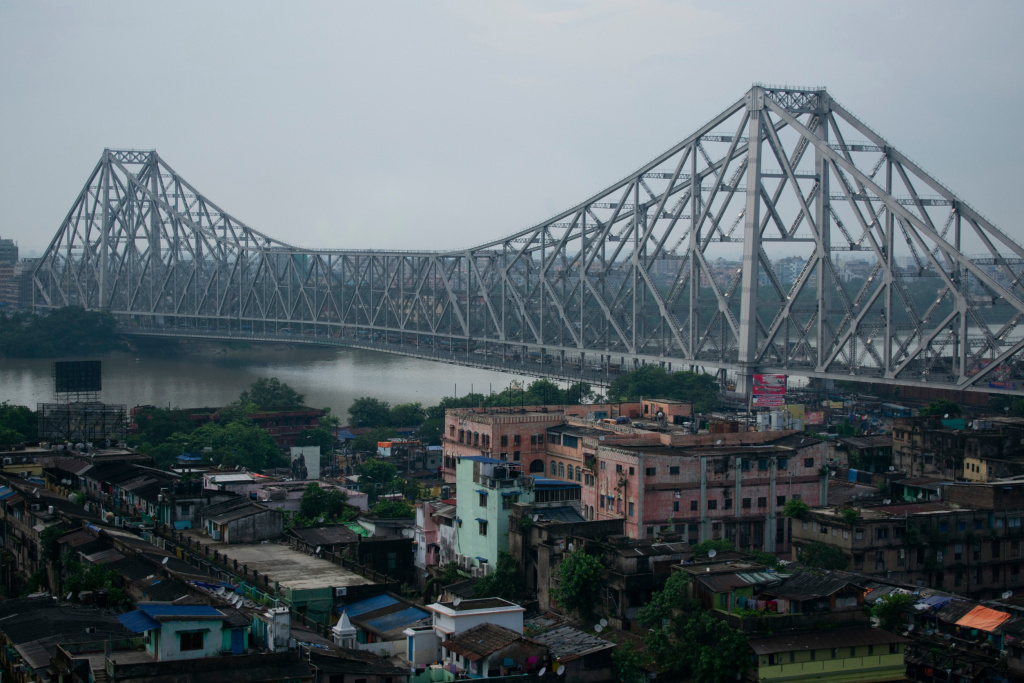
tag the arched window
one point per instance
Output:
(579, 474)
(537, 466)
(554, 469)
(561, 470)
(476, 438)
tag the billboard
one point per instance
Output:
(815, 418)
(769, 401)
(77, 376)
(769, 385)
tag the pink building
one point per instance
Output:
(727, 492)
(512, 434)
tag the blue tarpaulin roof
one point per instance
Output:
(936, 601)
(398, 619)
(138, 621)
(368, 605)
(5, 492)
(185, 524)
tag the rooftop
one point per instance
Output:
(293, 569)
(823, 640)
(481, 640)
(567, 643)
(490, 604)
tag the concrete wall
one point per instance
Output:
(261, 526)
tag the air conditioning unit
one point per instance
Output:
(340, 592)
(8, 461)
(475, 572)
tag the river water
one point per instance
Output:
(214, 376)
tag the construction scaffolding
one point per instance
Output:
(83, 422)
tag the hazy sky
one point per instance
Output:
(444, 124)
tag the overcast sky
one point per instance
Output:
(445, 124)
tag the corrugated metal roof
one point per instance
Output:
(138, 621)
(402, 619)
(368, 605)
(823, 640)
(157, 610)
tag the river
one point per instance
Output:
(213, 375)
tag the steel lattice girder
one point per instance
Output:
(818, 250)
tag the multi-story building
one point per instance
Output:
(983, 450)
(488, 490)
(972, 543)
(732, 492)
(509, 434)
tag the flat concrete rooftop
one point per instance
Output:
(294, 570)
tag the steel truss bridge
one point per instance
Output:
(783, 236)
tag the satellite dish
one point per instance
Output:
(712, 552)
(1007, 595)
(317, 551)
(457, 601)
(891, 468)
(598, 628)
(68, 596)
(561, 669)
(910, 628)
(718, 443)
(321, 520)
(543, 670)
(164, 561)
(946, 416)
(570, 548)
(887, 501)
(536, 517)
(604, 623)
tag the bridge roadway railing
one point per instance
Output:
(553, 370)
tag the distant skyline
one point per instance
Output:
(442, 125)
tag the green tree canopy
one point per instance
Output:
(318, 502)
(377, 477)
(407, 415)
(654, 381)
(17, 424)
(237, 444)
(392, 509)
(580, 577)
(796, 508)
(890, 610)
(503, 582)
(68, 331)
(941, 408)
(271, 394)
(823, 556)
(367, 411)
(718, 546)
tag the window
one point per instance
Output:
(858, 534)
(673, 470)
(762, 502)
(618, 469)
(516, 440)
(554, 470)
(693, 505)
(835, 652)
(579, 474)
(602, 464)
(451, 430)
(515, 456)
(871, 650)
(894, 648)
(504, 439)
(808, 462)
(600, 501)
(783, 463)
(943, 527)
(191, 640)
(745, 465)
(961, 525)
(882, 533)
(561, 470)
(392, 560)
(483, 500)
(1014, 523)
(727, 504)
(630, 509)
(762, 464)
(712, 505)
(462, 435)
(780, 500)
(853, 652)
(631, 472)
(508, 500)
(746, 503)
(483, 526)
(675, 506)
(650, 471)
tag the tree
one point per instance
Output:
(718, 546)
(769, 560)
(850, 515)
(17, 424)
(317, 502)
(238, 444)
(376, 477)
(654, 381)
(687, 641)
(822, 556)
(271, 394)
(367, 443)
(579, 582)
(392, 509)
(796, 508)
(367, 411)
(503, 582)
(941, 408)
(889, 610)
(407, 415)
(626, 664)
(543, 392)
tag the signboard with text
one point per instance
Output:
(768, 401)
(769, 385)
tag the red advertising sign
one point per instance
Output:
(769, 385)
(769, 401)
